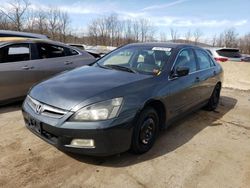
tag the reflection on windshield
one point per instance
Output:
(144, 60)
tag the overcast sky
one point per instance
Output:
(210, 16)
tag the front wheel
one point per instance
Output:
(214, 99)
(145, 131)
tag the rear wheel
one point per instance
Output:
(145, 131)
(214, 99)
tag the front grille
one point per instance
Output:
(44, 109)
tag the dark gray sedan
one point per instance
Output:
(24, 62)
(124, 99)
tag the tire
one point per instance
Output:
(214, 99)
(145, 131)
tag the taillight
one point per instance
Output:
(221, 59)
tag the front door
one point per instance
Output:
(183, 91)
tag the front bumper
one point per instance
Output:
(108, 139)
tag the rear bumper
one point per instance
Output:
(108, 141)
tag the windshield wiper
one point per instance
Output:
(102, 66)
(119, 67)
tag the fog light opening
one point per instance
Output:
(82, 143)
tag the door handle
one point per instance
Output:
(27, 67)
(68, 62)
(197, 79)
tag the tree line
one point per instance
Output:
(19, 16)
(106, 30)
(109, 30)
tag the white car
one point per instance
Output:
(224, 54)
(80, 46)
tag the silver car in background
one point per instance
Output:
(224, 54)
(25, 62)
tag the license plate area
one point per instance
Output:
(35, 125)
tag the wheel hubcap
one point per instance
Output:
(147, 131)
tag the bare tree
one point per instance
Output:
(110, 30)
(63, 25)
(188, 36)
(112, 24)
(16, 13)
(220, 40)
(128, 31)
(30, 24)
(119, 33)
(244, 44)
(136, 32)
(197, 35)
(102, 29)
(174, 34)
(230, 38)
(53, 22)
(42, 24)
(163, 37)
(214, 38)
(4, 24)
(93, 33)
(144, 29)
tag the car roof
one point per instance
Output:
(8, 33)
(163, 44)
(6, 40)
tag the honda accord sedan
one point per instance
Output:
(122, 101)
(25, 62)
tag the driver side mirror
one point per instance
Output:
(181, 71)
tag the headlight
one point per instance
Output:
(99, 111)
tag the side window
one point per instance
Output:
(50, 51)
(15, 53)
(203, 59)
(186, 59)
(71, 52)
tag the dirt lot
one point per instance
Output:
(237, 75)
(206, 149)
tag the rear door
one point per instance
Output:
(16, 76)
(206, 73)
(52, 59)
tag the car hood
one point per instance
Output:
(69, 89)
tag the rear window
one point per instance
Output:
(50, 51)
(71, 52)
(53, 51)
(231, 53)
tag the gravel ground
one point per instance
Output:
(205, 149)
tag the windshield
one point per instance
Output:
(145, 60)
